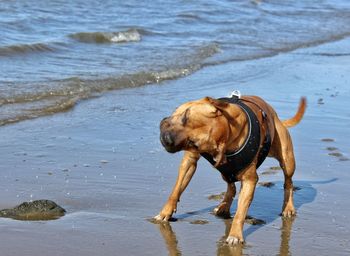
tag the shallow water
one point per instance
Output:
(102, 161)
(57, 53)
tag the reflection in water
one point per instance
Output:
(285, 236)
(265, 199)
(223, 249)
(169, 237)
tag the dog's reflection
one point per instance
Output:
(169, 237)
(223, 249)
(285, 235)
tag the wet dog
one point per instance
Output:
(235, 135)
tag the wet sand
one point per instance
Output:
(103, 163)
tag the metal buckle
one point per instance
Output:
(235, 93)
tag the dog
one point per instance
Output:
(235, 135)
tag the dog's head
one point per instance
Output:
(200, 126)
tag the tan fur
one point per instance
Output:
(298, 116)
(215, 127)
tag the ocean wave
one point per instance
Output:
(63, 95)
(25, 106)
(79, 88)
(18, 49)
(131, 35)
(259, 51)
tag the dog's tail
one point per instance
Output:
(298, 116)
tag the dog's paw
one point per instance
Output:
(161, 217)
(232, 240)
(165, 214)
(288, 212)
(222, 211)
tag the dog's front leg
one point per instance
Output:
(223, 209)
(246, 195)
(186, 170)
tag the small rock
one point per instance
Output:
(275, 168)
(35, 210)
(217, 197)
(332, 148)
(199, 222)
(337, 154)
(271, 170)
(327, 140)
(320, 101)
(254, 221)
(266, 184)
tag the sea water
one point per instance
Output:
(56, 53)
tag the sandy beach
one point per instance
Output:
(103, 162)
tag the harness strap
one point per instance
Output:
(265, 148)
(240, 159)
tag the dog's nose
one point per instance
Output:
(167, 139)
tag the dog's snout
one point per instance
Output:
(167, 139)
(169, 135)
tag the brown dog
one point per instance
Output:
(221, 131)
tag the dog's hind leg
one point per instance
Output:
(223, 209)
(288, 166)
(285, 156)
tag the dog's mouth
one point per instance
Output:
(168, 141)
(171, 149)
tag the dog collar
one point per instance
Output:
(240, 159)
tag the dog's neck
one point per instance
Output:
(238, 128)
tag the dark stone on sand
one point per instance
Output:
(217, 197)
(266, 184)
(337, 154)
(327, 140)
(35, 210)
(199, 222)
(271, 170)
(254, 221)
(332, 148)
(275, 168)
(320, 101)
(268, 172)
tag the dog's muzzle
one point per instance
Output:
(168, 141)
(168, 137)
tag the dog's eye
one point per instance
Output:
(184, 118)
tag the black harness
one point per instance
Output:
(240, 159)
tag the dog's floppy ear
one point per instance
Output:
(219, 104)
(210, 109)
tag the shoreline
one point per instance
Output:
(103, 162)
